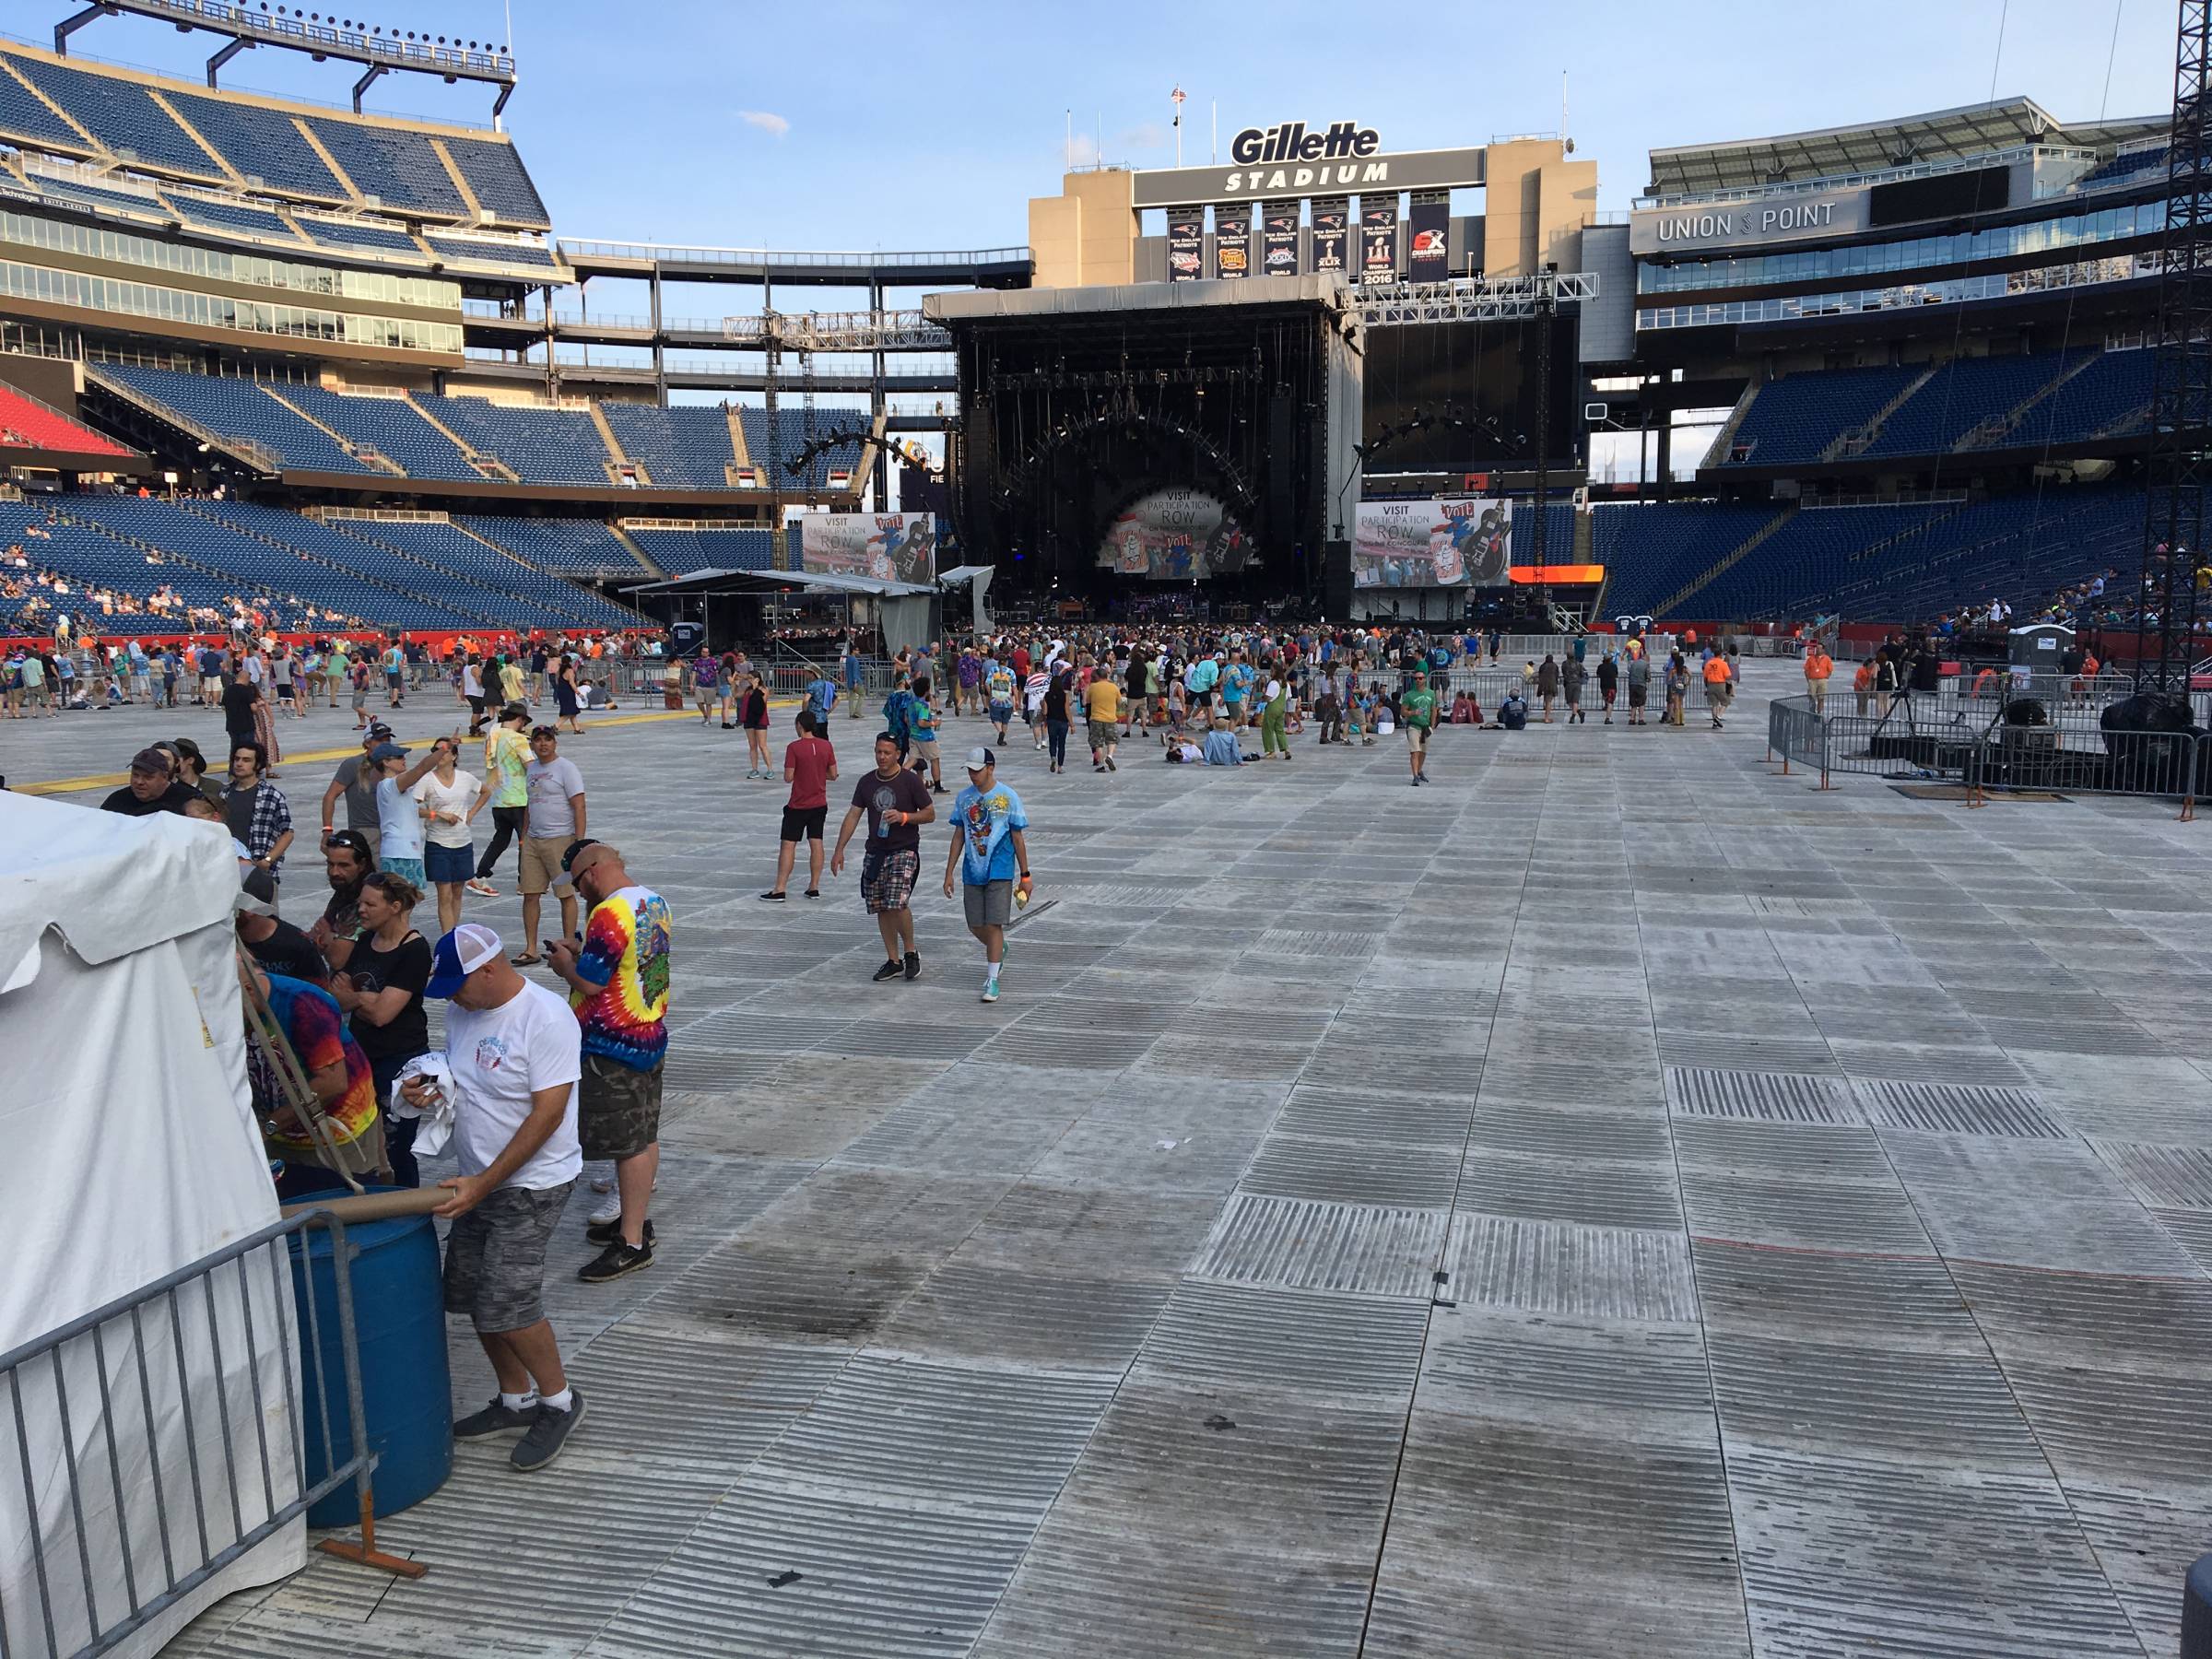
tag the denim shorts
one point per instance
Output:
(449, 863)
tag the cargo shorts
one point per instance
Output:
(618, 1108)
(495, 1257)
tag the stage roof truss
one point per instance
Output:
(1470, 299)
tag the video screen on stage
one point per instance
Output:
(1174, 535)
(891, 547)
(1461, 541)
(1478, 371)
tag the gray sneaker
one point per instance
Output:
(495, 1418)
(548, 1434)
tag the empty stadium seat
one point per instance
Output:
(396, 165)
(1651, 552)
(2110, 397)
(391, 426)
(788, 443)
(447, 547)
(1794, 419)
(231, 215)
(237, 409)
(731, 548)
(495, 174)
(361, 235)
(261, 142)
(579, 547)
(542, 445)
(25, 423)
(121, 114)
(1960, 395)
(686, 446)
(23, 114)
(471, 251)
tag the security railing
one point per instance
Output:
(179, 1439)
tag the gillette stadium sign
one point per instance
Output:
(1292, 159)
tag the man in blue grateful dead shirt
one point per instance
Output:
(990, 856)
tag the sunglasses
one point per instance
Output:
(537, 731)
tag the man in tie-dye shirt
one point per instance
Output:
(618, 985)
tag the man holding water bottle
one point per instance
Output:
(897, 804)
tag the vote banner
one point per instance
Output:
(1174, 535)
(890, 547)
(1455, 542)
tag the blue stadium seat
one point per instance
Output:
(1794, 420)
(446, 546)
(469, 251)
(396, 165)
(789, 441)
(121, 114)
(686, 446)
(261, 142)
(578, 546)
(1651, 552)
(70, 193)
(362, 235)
(23, 114)
(391, 426)
(237, 408)
(2110, 397)
(495, 174)
(1960, 395)
(2125, 169)
(731, 548)
(231, 215)
(543, 446)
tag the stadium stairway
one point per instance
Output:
(1991, 432)
(368, 454)
(618, 457)
(1854, 441)
(298, 538)
(1727, 562)
(491, 466)
(454, 553)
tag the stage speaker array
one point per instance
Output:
(1282, 465)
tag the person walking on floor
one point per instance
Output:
(992, 858)
(507, 777)
(516, 1053)
(450, 799)
(618, 986)
(1717, 683)
(1417, 709)
(810, 767)
(1572, 675)
(1548, 684)
(921, 733)
(1103, 713)
(1819, 667)
(1275, 715)
(556, 817)
(1608, 682)
(897, 805)
(1058, 694)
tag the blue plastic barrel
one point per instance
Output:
(406, 1394)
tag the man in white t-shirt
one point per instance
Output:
(516, 1052)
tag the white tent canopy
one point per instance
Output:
(132, 1152)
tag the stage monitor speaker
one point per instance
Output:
(1337, 580)
(1282, 470)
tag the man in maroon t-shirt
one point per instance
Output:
(810, 767)
(1021, 663)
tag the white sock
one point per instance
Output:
(518, 1402)
(559, 1402)
(992, 975)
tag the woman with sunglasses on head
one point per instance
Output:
(382, 993)
(450, 799)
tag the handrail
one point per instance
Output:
(691, 253)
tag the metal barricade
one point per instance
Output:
(124, 1393)
(1798, 732)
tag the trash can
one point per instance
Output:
(399, 1327)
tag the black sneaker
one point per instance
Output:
(618, 1259)
(777, 898)
(499, 1417)
(914, 965)
(889, 971)
(548, 1434)
(610, 1232)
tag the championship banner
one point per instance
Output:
(1429, 239)
(1278, 239)
(1174, 535)
(1378, 241)
(1232, 243)
(1459, 541)
(1186, 244)
(891, 547)
(1331, 219)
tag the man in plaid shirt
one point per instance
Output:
(259, 817)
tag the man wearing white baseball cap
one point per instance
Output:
(515, 1053)
(991, 856)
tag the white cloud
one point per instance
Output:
(1083, 152)
(1147, 134)
(774, 125)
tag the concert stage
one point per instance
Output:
(1156, 432)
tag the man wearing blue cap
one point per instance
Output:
(515, 1053)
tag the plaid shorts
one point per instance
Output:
(618, 1108)
(886, 880)
(495, 1257)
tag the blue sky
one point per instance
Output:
(863, 125)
